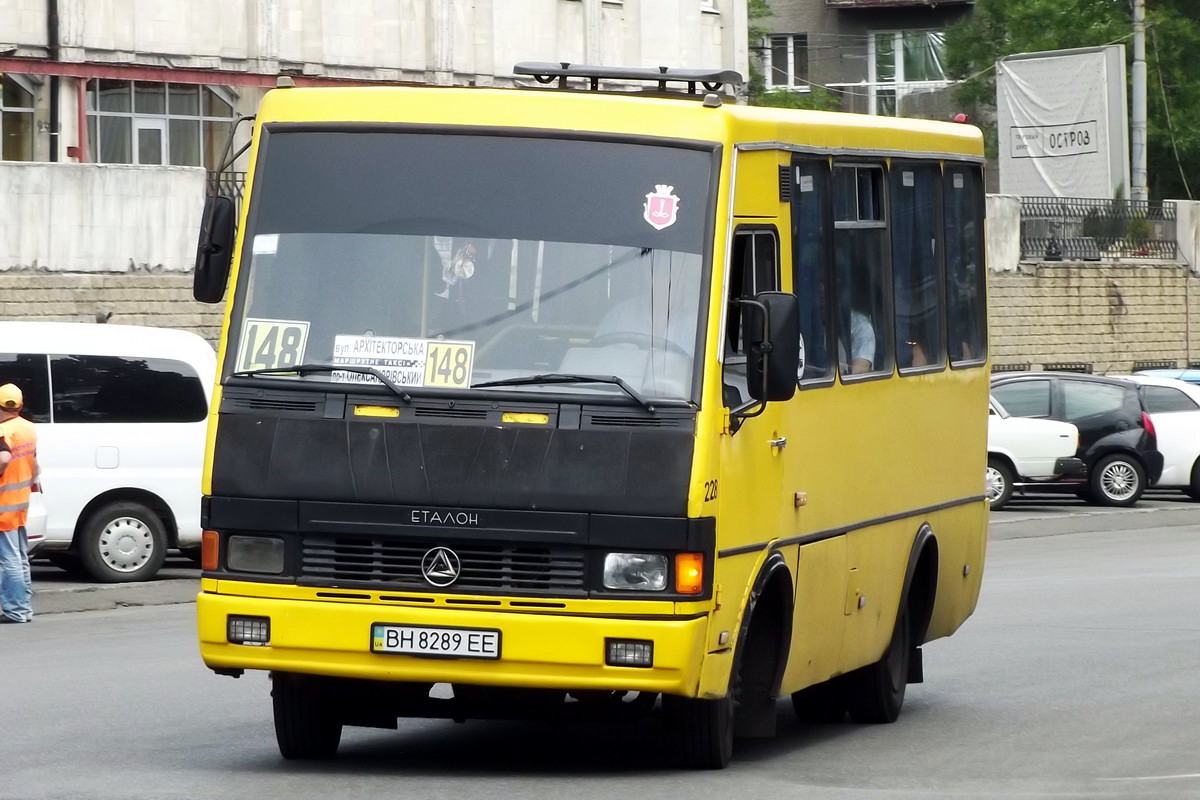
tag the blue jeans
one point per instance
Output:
(16, 584)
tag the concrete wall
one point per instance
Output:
(161, 300)
(1106, 315)
(99, 217)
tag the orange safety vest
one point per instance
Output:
(17, 478)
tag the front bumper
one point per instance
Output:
(538, 650)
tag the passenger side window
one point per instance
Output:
(1086, 399)
(916, 282)
(28, 373)
(1024, 398)
(860, 262)
(754, 268)
(810, 264)
(1165, 400)
(965, 273)
(114, 389)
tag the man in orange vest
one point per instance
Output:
(19, 475)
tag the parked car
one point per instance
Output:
(1186, 375)
(1117, 441)
(1026, 452)
(121, 414)
(1174, 407)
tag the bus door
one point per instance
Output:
(751, 464)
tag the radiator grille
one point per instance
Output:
(486, 567)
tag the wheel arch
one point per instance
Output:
(920, 582)
(133, 495)
(772, 601)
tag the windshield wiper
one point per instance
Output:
(561, 377)
(303, 368)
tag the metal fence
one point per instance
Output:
(230, 184)
(1084, 229)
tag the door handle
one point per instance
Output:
(781, 442)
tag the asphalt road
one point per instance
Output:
(1075, 678)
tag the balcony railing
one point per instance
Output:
(1085, 229)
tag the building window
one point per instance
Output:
(145, 122)
(16, 118)
(789, 62)
(902, 63)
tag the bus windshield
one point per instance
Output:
(450, 261)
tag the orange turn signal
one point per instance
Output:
(210, 544)
(689, 573)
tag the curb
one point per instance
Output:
(102, 597)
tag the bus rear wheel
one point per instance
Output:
(701, 730)
(875, 693)
(306, 723)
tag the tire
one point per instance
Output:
(875, 693)
(1193, 489)
(123, 542)
(998, 483)
(1117, 480)
(701, 730)
(306, 725)
(821, 703)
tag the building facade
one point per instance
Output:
(879, 56)
(161, 83)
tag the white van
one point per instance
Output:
(121, 414)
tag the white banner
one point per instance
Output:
(1062, 123)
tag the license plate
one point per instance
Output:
(414, 640)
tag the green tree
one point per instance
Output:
(999, 28)
(756, 12)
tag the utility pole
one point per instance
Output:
(1139, 189)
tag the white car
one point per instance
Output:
(1174, 407)
(1025, 452)
(121, 414)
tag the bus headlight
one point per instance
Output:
(254, 554)
(636, 572)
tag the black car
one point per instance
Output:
(1116, 437)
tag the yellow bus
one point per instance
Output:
(579, 402)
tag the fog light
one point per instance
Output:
(635, 572)
(254, 554)
(249, 630)
(629, 653)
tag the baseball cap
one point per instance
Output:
(10, 397)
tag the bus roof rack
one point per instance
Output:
(699, 82)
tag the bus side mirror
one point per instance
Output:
(214, 251)
(772, 331)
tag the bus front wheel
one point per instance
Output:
(306, 723)
(875, 693)
(702, 730)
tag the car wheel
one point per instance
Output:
(875, 693)
(1193, 489)
(700, 729)
(306, 723)
(123, 542)
(1117, 480)
(998, 484)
